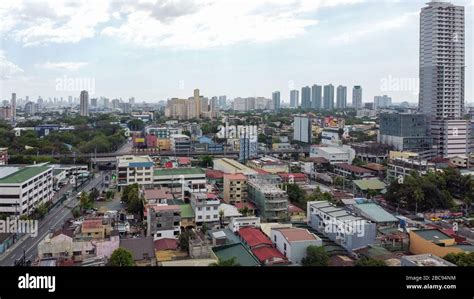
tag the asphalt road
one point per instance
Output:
(53, 220)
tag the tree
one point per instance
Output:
(221, 217)
(461, 259)
(187, 133)
(183, 241)
(85, 201)
(369, 262)
(225, 263)
(206, 161)
(295, 193)
(94, 194)
(136, 125)
(316, 256)
(121, 258)
(204, 228)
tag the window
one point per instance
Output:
(208, 216)
(284, 247)
(199, 209)
(208, 208)
(199, 217)
(275, 238)
(215, 216)
(215, 208)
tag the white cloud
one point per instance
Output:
(367, 29)
(52, 21)
(8, 70)
(62, 66)
(211, 23)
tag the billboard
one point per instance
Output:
(333, 122)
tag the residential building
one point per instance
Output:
(276, 100)
(341, 97)
(142, 249)
(235, 188)
(352, 171)
(306, 97)
(157, 195)
(302, 125)
(237, 251)
(205, 207)
(163, 221)
(382, 102)
(399, 168)
(293, 242)
(180, 143)
(261, 246)
(270, 200)
(341, 226)
(238, 222)
(294, 98)
(23, 189)
(135, 169)
(84, 103)
(316, 96)
(357, 97)
(330, 153)
(442, 76)
(13, 105)
(328, 102)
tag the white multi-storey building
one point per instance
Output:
(206, 207)
(84, 104)
(135, 169)
(302, 128)
(22, 189)
(442, 68)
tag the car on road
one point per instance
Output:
(435, 219)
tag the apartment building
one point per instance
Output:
(22, 189)
(341, 226)
(135, 169)
(163, 221)
(206, 207)
(180, 143)
(292, 242)
(235, 188)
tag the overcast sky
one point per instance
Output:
(154, 50)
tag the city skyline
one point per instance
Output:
(270, 45)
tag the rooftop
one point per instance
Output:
(214, 174)
(267, 253)
(177, 171)
(375, 213)
(17, 175)
(254, 237)
(92, 223)
(372, 184)
(234, 176)
(187, 211)
(141, 248)
(163, 193)
(433, 235)
(352, 168)
(165, 244)
(242, 256)
(296, 234)
(427, 260)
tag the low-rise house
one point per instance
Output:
(247, 207)
(157, 196)
(229, 211)
(166, 250)
(142, 249)
(294, 178)
(296, 213)
(188, 218)
(352, 171)
(238, 222)
(292, 242)
(238, 251)
(434, 241)
(364, 187)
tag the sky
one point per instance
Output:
(158, 49)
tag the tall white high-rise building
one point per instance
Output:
(316, 96)
(357, 97)
(302, 128)
(382, 101)
(84, 103)
(13, 105)
(328, 100)
(276, 100)
(341, 97)
(442, 67)
(294, 98)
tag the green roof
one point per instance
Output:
(238, 251)
(23, 174)
(372, 184)
(177, 171)
(187, 211)
(58, 171)
(432, 234)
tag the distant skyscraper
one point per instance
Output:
(341, 97)
(94, 102)
(222, 102)
(294, 98)
(357, 97)
(302, 128)
(316, 96)
(306, 97)
(197, 103)
(84, 103)
(442, 74)
(276, 100)
(131, 101)
(30, 108)
(382, 101)
(328, 97)
(13, 105)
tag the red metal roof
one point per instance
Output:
(352, 168)
(294, 209)
(214, 174)
(296, 234)
(235, 176)
(254, 237)
(166, 244)
(268, 254)
(92, 223)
